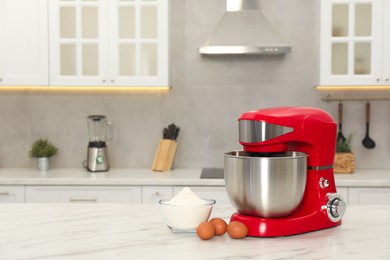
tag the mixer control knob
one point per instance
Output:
(336, 207)
(324, 183)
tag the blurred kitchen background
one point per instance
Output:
(208, 95)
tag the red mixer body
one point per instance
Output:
(311, 131)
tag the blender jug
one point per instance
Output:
(99, 131)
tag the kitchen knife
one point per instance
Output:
(176, 133)
(165, 132)
(169, 133)
(171, 130)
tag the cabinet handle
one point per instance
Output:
(377, 80)
(1, 79)
(112, 81)
(6, 192)
(86, 198)
(104, 81)
(387, 80)
(157, 193)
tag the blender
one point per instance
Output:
(99, 131)
(282, 183)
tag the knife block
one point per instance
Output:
(165, 154)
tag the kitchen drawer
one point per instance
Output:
(10, 194)
(153, 194)
(217, 193)
(83, 194)
(369, 196)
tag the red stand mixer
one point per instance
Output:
(282, 183)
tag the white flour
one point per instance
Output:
(185, 211)
(186, 197)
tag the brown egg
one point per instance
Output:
(237, 229)
(219, 225)
(205, 230)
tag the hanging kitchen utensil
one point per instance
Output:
(367, 141)
(340, 136)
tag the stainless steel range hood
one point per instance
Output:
(243, 29)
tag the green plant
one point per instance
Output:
(43, 148)
(344, 146)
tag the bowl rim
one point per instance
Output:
(236, 154)
(210, 202)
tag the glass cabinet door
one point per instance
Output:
(78, 42)
(351, 42)
(386, 42)
(109, 42)
(138, 42)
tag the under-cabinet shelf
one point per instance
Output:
(353, 93)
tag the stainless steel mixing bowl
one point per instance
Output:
(268, 187)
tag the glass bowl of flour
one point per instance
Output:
(185, 211)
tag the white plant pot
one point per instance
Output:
(43, 164)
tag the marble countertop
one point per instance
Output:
(144, 176)
(135, 231)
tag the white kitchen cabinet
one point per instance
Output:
(109, 42)
(354, 44)
(369, 196)
(23, 42)
(83, 194)
(11, 194)
(343, 191)
(153, 194)
(217, 193)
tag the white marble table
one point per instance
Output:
(135, 231)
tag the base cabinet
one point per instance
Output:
(369, 196)
(153, 194)
(11, 194)
(343, 191)
(83, 194)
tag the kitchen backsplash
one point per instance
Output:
(208, 95)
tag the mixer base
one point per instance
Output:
(291, 225)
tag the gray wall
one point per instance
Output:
(208, 95)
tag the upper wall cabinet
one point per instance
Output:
(23, 42)
(109, 42)
(355, 40)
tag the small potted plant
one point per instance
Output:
(43, 150)
(344, 159)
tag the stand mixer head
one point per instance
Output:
(283, 183)
(308, 130)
